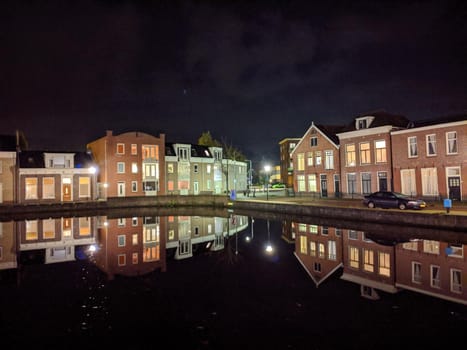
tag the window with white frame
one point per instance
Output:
(368, 260)
(31, 230)
(121, 239)
(313, 141)
(365, 153)
(195, 168)
(328, 159)
(300, 162)
(318, 157)
(121, 167)
(134, 168)
(435, 278)
(354, 257)
(48, 188)
(416, 272)
(451, 142)
(312, 248)
(455, 250)
(366, 183)
(134, 149)
(332, 250)
(351, 183)
(381, 151)
(31, 188)
(120, 148)
(408, 183)
(384, 264)
(301, 183)
(431, 247)
(134, 186)
(350, 155)
(429, 182)
(150, 151)
(431, 145)
(303, 244)
(456, 281)
(309, 158)
(84, 186)
(412, 146)
(321, 251)
(48, 229)
(312, 184)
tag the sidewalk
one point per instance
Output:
(435, 207)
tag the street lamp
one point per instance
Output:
(267, 169)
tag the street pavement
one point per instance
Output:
(433, 207)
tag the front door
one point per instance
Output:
(324, 186)
(454, 185)
(383, 181)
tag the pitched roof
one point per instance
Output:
(381, 118)
(438, 120)
(196, 150)
(35, 159)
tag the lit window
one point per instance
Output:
(31, 188)
(451, 142)
(134, 149)
(413, 148)
(48, 187)
(380, 151)
(134, 168)
(120, 148)
(431, 145)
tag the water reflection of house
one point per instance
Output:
(369, 264)
(54, 240)
(319, 250)
(130, 246)
(8, 257)
(434, 268)
(187, 234)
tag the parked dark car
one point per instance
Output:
(389, 199)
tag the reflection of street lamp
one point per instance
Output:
(269, 246)
(249, 238)
(267, 169)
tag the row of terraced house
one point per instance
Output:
(123, 165)
(379, 151)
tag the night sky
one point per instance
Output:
(250, 72)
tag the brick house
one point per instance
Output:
(366, 152)
(51, 177)
(129, 164)
(315, 159)
(430, 158)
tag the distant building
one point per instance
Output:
(8, 168)
(286, 146)
(129, 164)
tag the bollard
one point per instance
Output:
(447, 204)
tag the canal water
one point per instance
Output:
(233, 281)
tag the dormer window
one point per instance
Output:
(363, 123)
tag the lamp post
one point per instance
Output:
(267, 169)
(249, 238)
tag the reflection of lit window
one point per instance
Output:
(84, 226)
(368, 260)
(435, 277)
(456, 281)
(134, 258)
(431, 247)
(31, 230)
(354, 257)
(121, 259)
(303, 245)
(313, 248)
(384, 261)
(48, 229)
(416, 272)
(121, 240)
